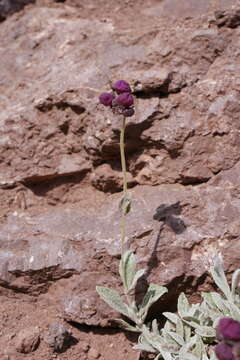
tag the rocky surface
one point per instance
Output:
(60, 172)
(27, 340)
(58, 337)
(8, 7)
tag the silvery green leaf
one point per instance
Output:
(206, 331)
(193, 322)
(218, 275)
(125, 204)
(183, 305)
(168, 325)
(168, 339)
(154, 293)
(177, 338)
(235, 281)
(144, 347)
(166, 355)
(113, 299)
(132, 314)
(234, 311)
(152, 339)
(137, 276)
(187, 346)
(216, 321)
(171, 317)
(193, 310)
(127, 268)
(124, 325)
(155, 327)
(199, 349)
(212, 355)
(187, 333)
(189, 356)
(180, 328)
(159, 356)
(218, 301)
(208, 298)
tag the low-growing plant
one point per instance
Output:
(192, 332)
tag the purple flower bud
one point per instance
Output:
(125, 99)
(128, 112)
(121, 86)
(224, 352)
(229, 329)
(106, 99)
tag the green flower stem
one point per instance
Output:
(124, 171)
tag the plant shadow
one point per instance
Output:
(167, 215)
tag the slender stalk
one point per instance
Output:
(124, 171)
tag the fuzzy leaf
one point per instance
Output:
(124, 325)
(169, 326)
(235, 281)
(199, 349)
(218, 275)
(183, 305)
(234, 311)
(212, 355)
(187, 346)
(158, 357)
(171, 317)
(180, 328)
(189, 356)
(193, 322)
(218, 301)
(169, 340)
(178, 339)
(194, 310)
(113, 299)
(208, 298)
(127, 269)
(152, 339)
(155, 327)
(187, 333)
(206, 331)
(132, 314)
(137, 276)
(154, 293)
(166, 355)
(144, 347)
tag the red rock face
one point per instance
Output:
(60, 178)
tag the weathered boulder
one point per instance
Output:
(59, 236)
(172, 229)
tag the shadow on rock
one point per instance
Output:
(169, 215)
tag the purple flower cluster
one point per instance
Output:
(228, 332)
(120, 100)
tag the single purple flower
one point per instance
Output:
(125, 99)
(229, 329)
(121, 86)
(128, 112)
(106, 99)
(224, 352)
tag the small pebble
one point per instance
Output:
(93, 354)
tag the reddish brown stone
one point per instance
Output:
(60, 166)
